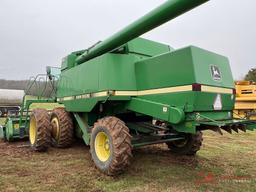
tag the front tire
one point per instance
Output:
(188, 146)
(110, 146)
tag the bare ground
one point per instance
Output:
(225, 163)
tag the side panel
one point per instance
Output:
(81, 86)
(192, 101)
(183, 67)
(79, 79)
(203, 61)
(116, 72)
(154, 105)
(167, 70)
(81, 105)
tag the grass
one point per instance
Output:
(225, 163)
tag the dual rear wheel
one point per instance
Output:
(46, 130)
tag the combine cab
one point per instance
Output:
(127, 92)
(245, 106)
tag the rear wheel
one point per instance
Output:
(39, 130)
(188, 146)
(110, 146)
(62, 128)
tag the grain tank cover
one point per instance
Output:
(191, 63)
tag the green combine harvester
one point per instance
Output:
(127, 92)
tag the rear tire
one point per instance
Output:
(188, 146)
(39, 130)
(110, 145)
(62, 128)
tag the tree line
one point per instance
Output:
(251, 75)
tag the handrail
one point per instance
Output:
(36, 82)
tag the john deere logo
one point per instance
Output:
(216, 75)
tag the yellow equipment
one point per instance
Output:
(245, 105)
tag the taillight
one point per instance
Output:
(234, 91)
(196, 87)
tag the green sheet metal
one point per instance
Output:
(84, 127)
(183, 67)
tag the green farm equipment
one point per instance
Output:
(17, 124)
(127, 92)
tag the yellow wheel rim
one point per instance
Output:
(55, 128)
(102, 147)
(32, 130)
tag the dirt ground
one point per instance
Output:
(225, 163)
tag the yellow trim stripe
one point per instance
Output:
(100, 94)
(211, 89)
(154, 91)
(68, 98)
(204, 88)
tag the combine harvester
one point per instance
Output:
(127, 92)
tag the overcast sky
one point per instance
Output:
(37, 33)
